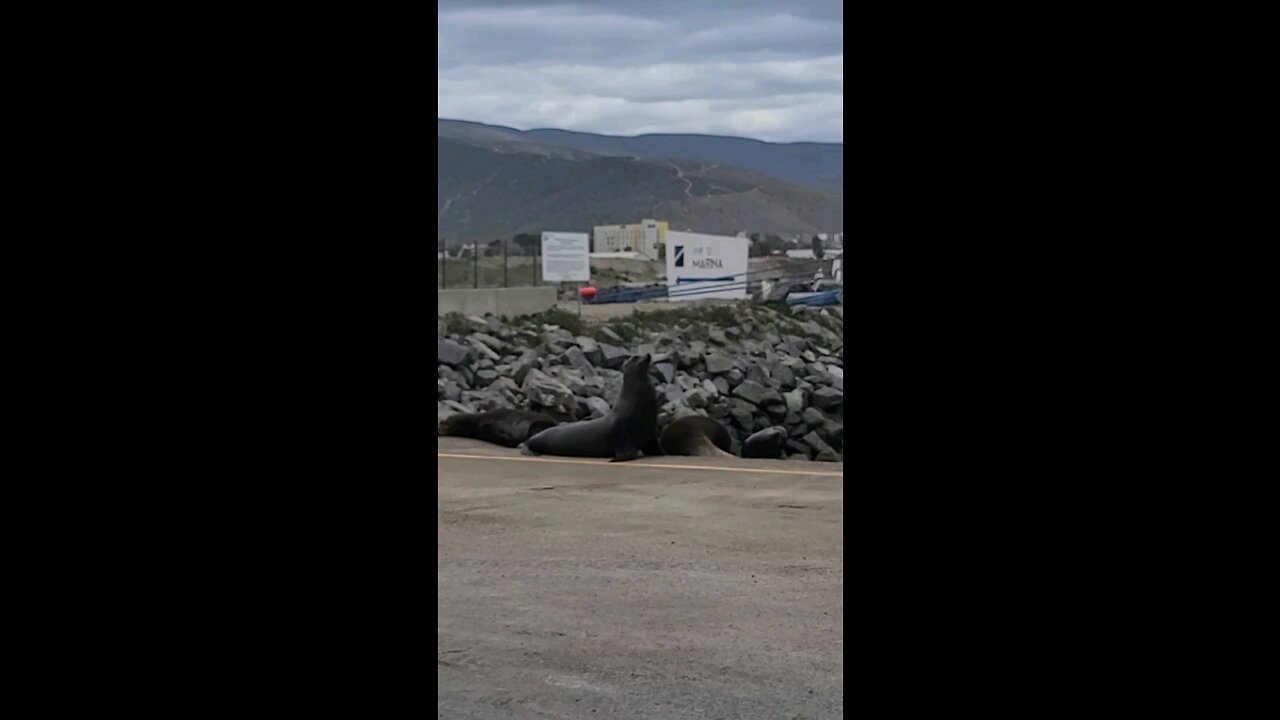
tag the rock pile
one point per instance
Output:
(769, 369)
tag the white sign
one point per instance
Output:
(702, 267)
(566, 257)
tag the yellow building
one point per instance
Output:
(648, 238)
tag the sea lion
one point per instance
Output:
(767, 443)
(500, 427)
(628, 429)
(697, 436)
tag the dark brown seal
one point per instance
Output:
(697, 436)
(500, 427)
(628, 429)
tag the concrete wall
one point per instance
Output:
(512, 302)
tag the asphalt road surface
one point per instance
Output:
(580, 589)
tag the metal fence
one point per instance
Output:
(487, 267)
(512, 267)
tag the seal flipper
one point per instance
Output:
(524, 450)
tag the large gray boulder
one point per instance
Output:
(833, 433)
(798, 448)
(760, 374)
(595, 407)
(751, 391)
(605, 335)
(491, 342)
(795, 401)
(591, 349)
(573, 379)
(505, 385)
(674, 396)
(457, 407)
(527, 362)
(578, 359)
(612, 356)
(777, 411)
(691, 354)
(743, 419)
(545, 391)
(718, 364)
(484, 352)
(452, 354)
(444, 372)
(666, 371)
(816, 442)
(827, 399)
(612, 388)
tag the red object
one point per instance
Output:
(587, 293)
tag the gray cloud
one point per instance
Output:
(770, 70)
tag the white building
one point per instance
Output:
(648, 238)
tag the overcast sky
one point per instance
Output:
(751, 68)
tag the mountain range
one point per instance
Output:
(495, 182)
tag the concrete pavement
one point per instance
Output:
(667, 588)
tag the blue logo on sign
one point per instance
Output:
(679, 256)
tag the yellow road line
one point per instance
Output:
(633, 464)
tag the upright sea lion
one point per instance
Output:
(767, 443)
(630, 427)
(501, 427)
(697, 436)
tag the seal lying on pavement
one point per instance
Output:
(500, 427)
(630, 427)
(697, 436)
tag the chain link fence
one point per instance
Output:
(500, 264)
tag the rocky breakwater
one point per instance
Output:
(750, 369)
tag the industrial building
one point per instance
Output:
(648, 238)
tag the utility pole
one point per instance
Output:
(505, 284)
(475, 255)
